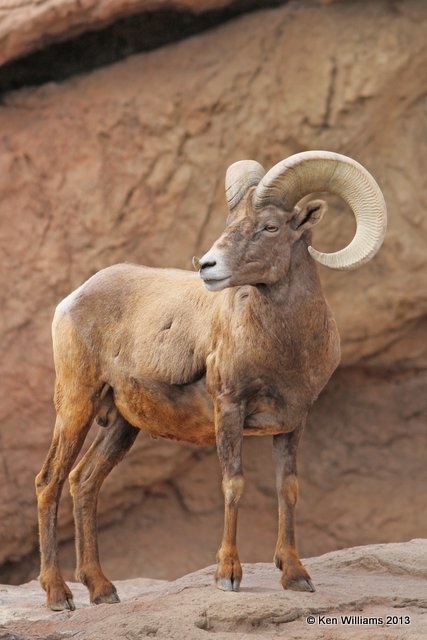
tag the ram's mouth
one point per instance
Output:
(216, 284)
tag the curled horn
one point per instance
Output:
(239, 178)
(303, 173)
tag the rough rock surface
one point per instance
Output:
(356, 587)
(127, 163)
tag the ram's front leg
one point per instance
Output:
(294, 576)
(229, 435)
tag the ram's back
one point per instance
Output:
(135, 321)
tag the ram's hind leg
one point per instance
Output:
(73, 421)
(86, 479)
(294, 576)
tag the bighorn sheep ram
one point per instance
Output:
(244, 349)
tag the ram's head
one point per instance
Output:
(265, 221)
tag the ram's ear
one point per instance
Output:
(305, 217)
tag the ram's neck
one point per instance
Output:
(300, 292)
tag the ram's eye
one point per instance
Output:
(271, 228)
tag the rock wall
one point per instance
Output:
(127, 163)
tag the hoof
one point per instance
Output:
(59, 597)
(299, 584)
(294, 576)
(228, 574)
(62, 605)
(228, 584)
(106, 598)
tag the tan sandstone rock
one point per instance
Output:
(128, 162)
(364, 593)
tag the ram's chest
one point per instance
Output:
(277, 400)
(276, 379)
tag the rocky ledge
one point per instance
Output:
(377, 591)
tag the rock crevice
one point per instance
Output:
(51, 41)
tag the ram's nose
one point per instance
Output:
(206, 264)
(203, 263)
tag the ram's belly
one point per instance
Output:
(182, 412)
(185, 412)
